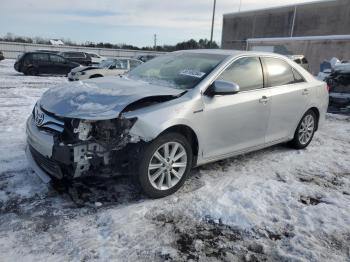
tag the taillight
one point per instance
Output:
(328, 88)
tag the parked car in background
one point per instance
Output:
(180, 110)
(145, 58)
(38, 63)
(339, 89)
(109, 67)
(1, 56)
(96, 59)
(300, 60)
(78, 57)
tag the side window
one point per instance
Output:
(304, 60)
(40, 57)
(278, 71)
(246, 72)
(57, 59)
(121, 64)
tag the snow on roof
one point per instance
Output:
(56, 42)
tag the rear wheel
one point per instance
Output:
(31, 71)
(164, 165)
(305, 130)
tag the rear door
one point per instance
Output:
(60, 65)
(289, 98)
(42, 63)
(238, 121)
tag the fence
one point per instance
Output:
(12, 50)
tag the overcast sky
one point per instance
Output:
(116, 21)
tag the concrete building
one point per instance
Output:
(321, 30)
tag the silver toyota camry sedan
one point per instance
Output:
(173, 113)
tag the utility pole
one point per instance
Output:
(212, 24)
(240, 5)
(293, 21)
(155, 41)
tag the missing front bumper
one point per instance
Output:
(35, 167)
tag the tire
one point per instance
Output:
(31, 71)
(154, 181)
(305, 131)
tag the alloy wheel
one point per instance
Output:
(167, 165)
(306, 129)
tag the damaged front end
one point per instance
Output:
(71, 148)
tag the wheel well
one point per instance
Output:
(189, 134)
(31, 67)
(96, 75)
(317, 113)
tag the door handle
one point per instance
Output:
(305, 92)
(263, 99)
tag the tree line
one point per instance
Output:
(190, 44)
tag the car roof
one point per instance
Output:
(231, 52)
(296, 56)
(73, 52)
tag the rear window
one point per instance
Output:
(304, 60)
(40, 57)
(298, 61)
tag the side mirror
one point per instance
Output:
(220, 87)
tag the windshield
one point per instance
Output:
(177, 70)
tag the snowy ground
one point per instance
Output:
(277, 204)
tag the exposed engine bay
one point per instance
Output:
(83, 146)
(98, 142)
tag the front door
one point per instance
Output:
(239, 121)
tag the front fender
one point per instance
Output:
(153, 121)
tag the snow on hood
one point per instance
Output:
(100, 98)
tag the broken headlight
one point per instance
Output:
(108, 130)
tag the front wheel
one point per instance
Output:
(164, 165)
(305, 130)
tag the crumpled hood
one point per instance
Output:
(100, 98)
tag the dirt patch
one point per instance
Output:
(331, 181)
(311, 201)
(211, 240)
(99, 192)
